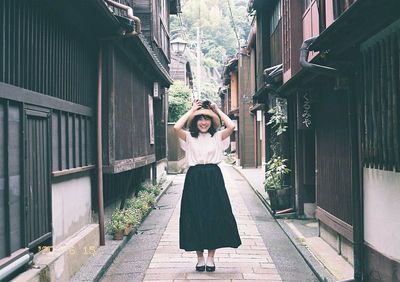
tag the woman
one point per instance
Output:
(206, 219)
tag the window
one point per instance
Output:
(305, 5)
(163, 39)
(276, 17)
(339, 6)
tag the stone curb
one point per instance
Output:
(302, 253)
(98, 264)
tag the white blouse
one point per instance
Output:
(205, 149)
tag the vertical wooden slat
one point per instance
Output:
(388, 94)
(2, 39)
(363, 105)
(373, 107)
(8, 42)
(370, 89)
(396, 107)
(67, 138)
(18, 41)
(7, 180)
(382, 103)
(39, 39)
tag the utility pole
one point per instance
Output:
(198, 54)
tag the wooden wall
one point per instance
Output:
(292, 38)
(379, 101)
(333, 162)
(47, 95)
(246, 121)
(126, 133)
(41, 54)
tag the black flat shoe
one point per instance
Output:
(210, 268)
(200, 268)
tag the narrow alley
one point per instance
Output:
(266, 254)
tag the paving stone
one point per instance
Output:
(169, 262)
(154, 255)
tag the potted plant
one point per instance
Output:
(118, 224)
(280, 195)
(132, 218)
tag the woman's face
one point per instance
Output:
(203, 124)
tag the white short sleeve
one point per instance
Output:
(184, 143)
(225, 143)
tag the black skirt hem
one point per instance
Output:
(206, 218)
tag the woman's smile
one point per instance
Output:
(204, 124)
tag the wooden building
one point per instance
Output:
(230, 100)
(362, 116)
(180, 70)
(340, 80)
(57, 59)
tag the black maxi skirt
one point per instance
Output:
(206, 219)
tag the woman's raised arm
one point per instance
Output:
(230, 126)
(181, 122)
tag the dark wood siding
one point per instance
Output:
(37, 179)
(160, 126)
(333, 159)
(126, 122)
(262, 49)
(42, 55)
(72, 141)
(11, 196)
(380, 107)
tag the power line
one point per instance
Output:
(233, 24)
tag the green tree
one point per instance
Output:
(179, 100)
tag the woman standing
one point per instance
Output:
(206, 219)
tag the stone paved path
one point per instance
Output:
(251, 261)
(154, 255)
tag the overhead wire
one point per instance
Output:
(233, 24)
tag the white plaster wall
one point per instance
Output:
(162, 169)
(71, 201)
(382, 210)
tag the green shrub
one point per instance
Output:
(138, 203)
(118, 221)
(133, 216)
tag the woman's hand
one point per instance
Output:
(196, 105)
(213, 106)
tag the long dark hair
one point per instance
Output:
(194, 130)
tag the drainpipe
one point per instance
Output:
(356, 184)
(7, 270)
(129, 10)
(356, 191)
(137, 31)
(324, 70)
(99, 148)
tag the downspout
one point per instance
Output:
(129, 11)
(99, 147)
(137, 31)
(356, 184)
(356, 191)
(324, 70)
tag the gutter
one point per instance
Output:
(319, 69)
(129, 11)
